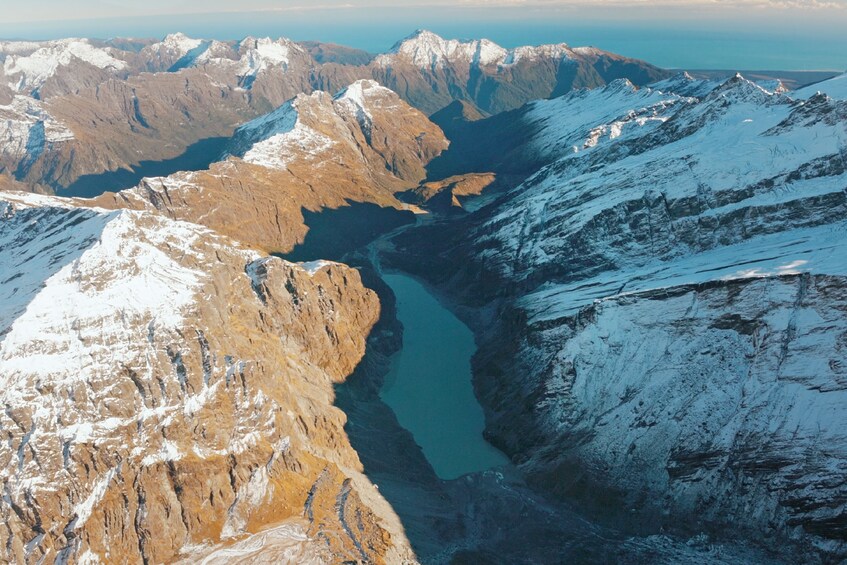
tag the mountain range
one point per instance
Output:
(653, 266)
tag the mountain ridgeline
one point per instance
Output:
(76, 108)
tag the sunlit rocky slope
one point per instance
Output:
(167, 391)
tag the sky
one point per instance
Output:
(694, 34)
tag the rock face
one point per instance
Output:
(447, 194)
(166, 391)
(122, 103)
(670, 292)
(316, 151)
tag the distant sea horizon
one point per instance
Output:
(673, 45)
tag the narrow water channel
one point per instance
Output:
(429, 384)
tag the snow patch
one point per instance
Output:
(313, 267)
(84, 509)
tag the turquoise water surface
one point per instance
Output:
(429, 385)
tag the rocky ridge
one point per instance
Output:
(314, 152)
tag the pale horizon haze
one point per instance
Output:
(695, 34)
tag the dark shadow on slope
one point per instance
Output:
(491, 517)
(40, 242)
(335, 232)
(197, 157)
(486, 145)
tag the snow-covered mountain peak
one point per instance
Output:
(431, 51)
(684, 84)
(360, 96)
(280, 137)
(738, 81)
(31, 64)
(620, 85)
(740, 89)
(180, 42)
(426, 49)
(260, 54)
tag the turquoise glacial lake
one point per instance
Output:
(429, 384)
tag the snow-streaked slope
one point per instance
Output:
(26, 127)
(138, 353)
(678, 297)
(683, 84)
(741, 147)
(585, 118)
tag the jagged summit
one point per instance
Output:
(684, 84)
(361, 89)
(30, 65)
(425, 48)
(740, 88)
(181, 42)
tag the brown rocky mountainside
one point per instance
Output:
(190, 405)
(83, 108)
(314, 152)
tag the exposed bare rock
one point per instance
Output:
(168, 393)
(449, 192)
(314, 152)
